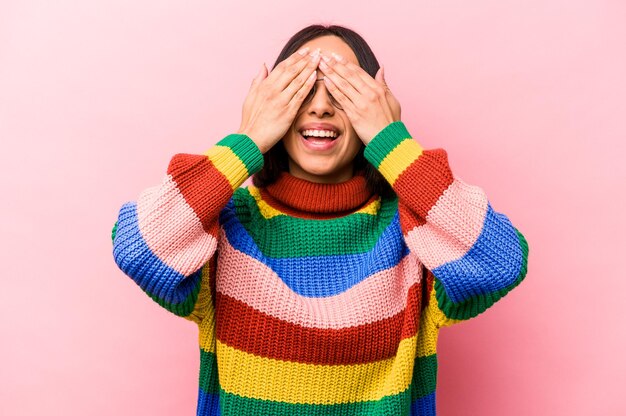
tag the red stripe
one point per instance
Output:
(276, 204)
(246, 329)
(429, 278)
(203, 186)
(408, 219)
(420, 186)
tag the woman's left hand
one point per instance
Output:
(367, 101)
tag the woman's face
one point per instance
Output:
(319, 159)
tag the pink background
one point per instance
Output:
(527, 97)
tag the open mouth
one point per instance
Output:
(320, 136)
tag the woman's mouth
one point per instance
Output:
(319, 140)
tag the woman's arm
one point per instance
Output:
(473, 254)
(166, 241)
(163, 240)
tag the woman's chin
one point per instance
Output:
(321, 174)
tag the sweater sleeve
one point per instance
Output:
(166, 240)
(473, 254)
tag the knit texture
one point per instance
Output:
(318, 299)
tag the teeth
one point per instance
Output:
(319, 133)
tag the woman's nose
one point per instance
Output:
(321, 102)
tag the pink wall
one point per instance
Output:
(527, 97)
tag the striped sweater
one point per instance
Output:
(318, 299)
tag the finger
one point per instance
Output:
(288, 69)
(394, 104)
(303, 91)
(354, 74)
(372, 89)
(340, 83)
(294, 83)
(262, 74)
(306, 65)
(343, 100)
(381, 79)
(379, 76)
(294, 86)
(358, 77)
(292, 59)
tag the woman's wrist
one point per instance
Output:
(252, 137)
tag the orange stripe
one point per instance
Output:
(420, 186)
(277, 205)
(266, 336)
(203, 186)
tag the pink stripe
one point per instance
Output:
(380, 296)
(172, 230)
(452, 225)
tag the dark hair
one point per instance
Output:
(276, 159)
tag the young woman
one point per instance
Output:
(321, 288)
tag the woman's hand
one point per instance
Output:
(367, 101)
(273, 101)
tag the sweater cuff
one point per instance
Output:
(392, 150)
(237, 157)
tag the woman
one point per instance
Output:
(321, 288)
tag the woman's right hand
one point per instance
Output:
(273, 101)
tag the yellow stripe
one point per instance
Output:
(204, 302)
(438, 317)
(399, 159)
(371, 209)
(207, 321)
(428, 334)
(227, 162)
(292, 382)
(266, 210)
(269, 212)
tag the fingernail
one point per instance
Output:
(315, 52)
(337, 56)
(326, 58)
(303, 51)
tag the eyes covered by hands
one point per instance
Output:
(274, 99)
(368, 102)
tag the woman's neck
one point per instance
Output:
(301, 197)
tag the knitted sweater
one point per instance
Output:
(318, 299)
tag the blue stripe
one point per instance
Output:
(492, 263)
(208, 404)
(321, 276)
(134, 258)
(424, 406)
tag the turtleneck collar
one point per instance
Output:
(295, 195)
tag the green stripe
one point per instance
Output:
(390, 405)
(181, 309)
(479, 303)
(385, 141)
(245, 148)
(424, 376)
(209, 381)
(114, 231)
(360, 232)
(424, 382)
